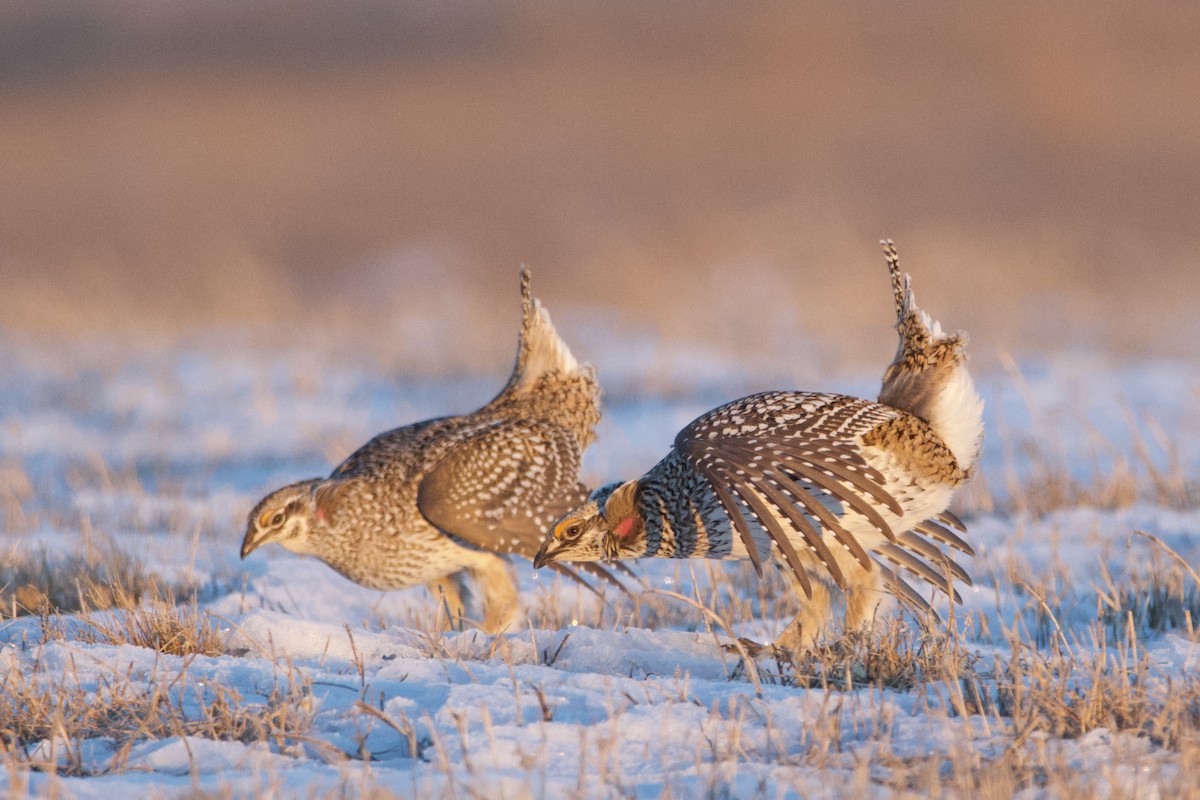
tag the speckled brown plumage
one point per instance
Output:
(839, 489)
(917, 448)
(428, 500)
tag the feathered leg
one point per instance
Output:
(450, 592)
(501, 605)
(866, 600)
(803, 632)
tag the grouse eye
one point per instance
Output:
(573, 531)
(277, 519)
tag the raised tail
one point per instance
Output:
(540, 349)
(545, 366)
(928, 377)
(919, 333)
(901, 288)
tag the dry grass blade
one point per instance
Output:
(65, 709)
(747, 660)
(892, 657)
(154, 620)
(1180, 560)
(34, 583)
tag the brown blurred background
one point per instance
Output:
(697, 172)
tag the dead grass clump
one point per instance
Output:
(16, 490)
(1042, 469)
(1067, 691)
(283, 718)
(65, 712)
(159, 624)
(113, 601)
(893, 657)
(1041, 769)
(35, 583)
(1058, 684)
(1155, 603)
(1161, 597)
(1046, 481)
(1050, 487)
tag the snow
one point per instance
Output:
(159, 453)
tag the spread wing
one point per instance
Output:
(917, 552)
(790, 460)
(503, 485)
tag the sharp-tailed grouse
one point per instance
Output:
(421, 503)
(838, 488)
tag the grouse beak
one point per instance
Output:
(545, 555)
(254, 539)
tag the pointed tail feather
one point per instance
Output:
(944, 535)
(778, 471)
(905, 593)
(953, 521)
(934, 554)
(901, 290)
(540, 349)
(903, 558)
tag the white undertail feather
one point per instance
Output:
(958, 418)
(955, 412)
(541, 349)
(547, 350)
(932, 325)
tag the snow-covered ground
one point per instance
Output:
(160, 452)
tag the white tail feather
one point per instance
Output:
(540, 350)
(929, 376)
(546, 349)
(958, 418)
